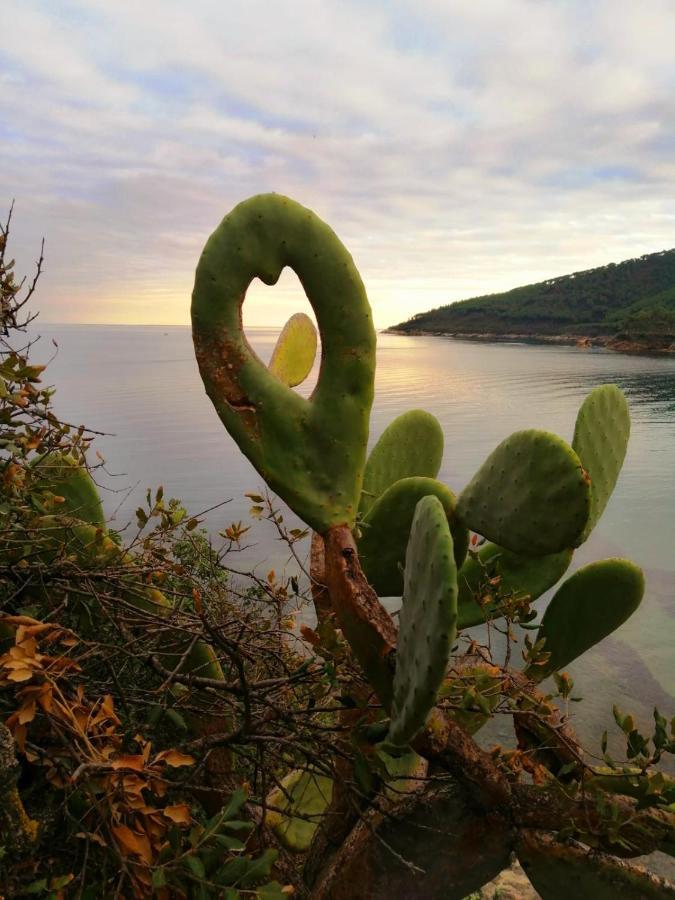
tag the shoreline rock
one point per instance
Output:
(618, 343)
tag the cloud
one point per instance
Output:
(456, 148)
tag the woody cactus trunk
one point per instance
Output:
(385, 526)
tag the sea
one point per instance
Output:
(140, 387)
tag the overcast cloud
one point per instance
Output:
(457, 147)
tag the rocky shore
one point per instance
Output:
(659, 344)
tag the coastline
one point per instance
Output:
(619, 343)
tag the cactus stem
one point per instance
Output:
(366, 624)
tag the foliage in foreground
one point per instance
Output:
(116, 773)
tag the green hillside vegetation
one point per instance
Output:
(636, 296)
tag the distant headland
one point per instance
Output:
(627, 306)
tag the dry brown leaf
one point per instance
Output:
(20, 674)
(89, 835)
(133, 842)
(19, 734)
(19, 620)
(26, 713)
(175, 758)
(178, 813)
(45, 698)
(129, 762)
(27, 644)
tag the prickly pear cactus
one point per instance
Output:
(593, 602)
(310, 452)
(428, 620)
(299, 803)
(65, 477)
(560, 871)
(600, 440)
(495, 571)
(531, 495)
(295, 350)
(410, 445)
(386, 529)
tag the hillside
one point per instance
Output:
(635, 296)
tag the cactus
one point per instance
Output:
(518, 577)
(531, 495)
(590, 605)
(297, 806)
(410, 445)
(600, 440)
(534, 498)
(428, 620)
(295, 350)
(310, 452)
(298, 803)
(386, 529)
(560, 871)
(65, 477)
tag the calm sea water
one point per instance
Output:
(141, 385)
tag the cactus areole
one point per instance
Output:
(310, 452)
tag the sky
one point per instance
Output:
(456, 147)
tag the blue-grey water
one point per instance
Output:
(140, 384)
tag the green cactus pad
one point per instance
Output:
(65, 537)
(386, 529)
(402, 772)
(295, 351)
(410, 445)
(301, 793)
(519, 576)
(65, 477)
(589, 606)
(531, 495)
(428, 620)
(600, 440)
(310, 452)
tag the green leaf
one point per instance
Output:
(230, 843)
(235, 803)
(259, 868)
(660, 731)
(195, 865)
(272, 891)
(159, 878)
